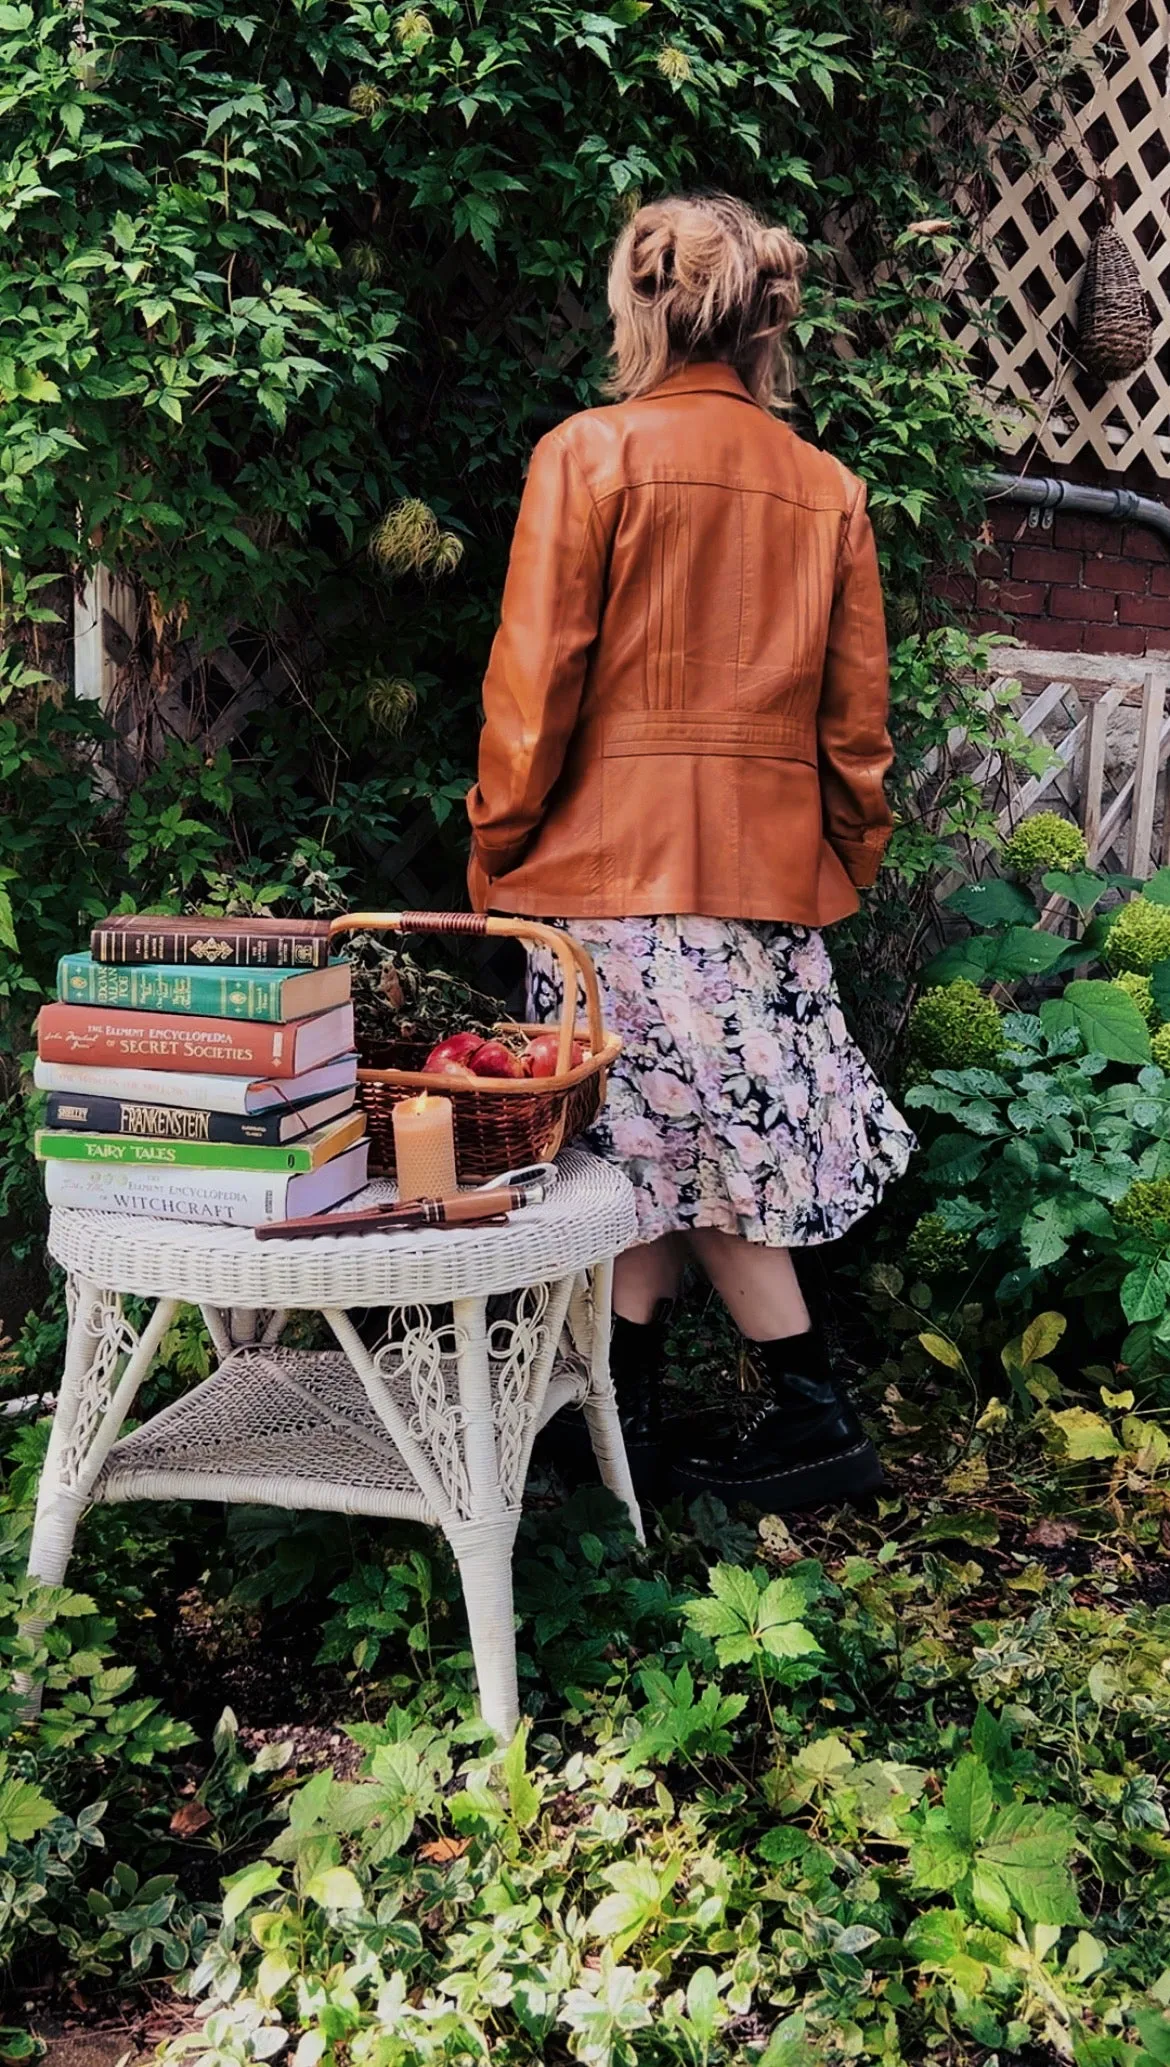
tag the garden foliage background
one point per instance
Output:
(276, 286)
(285, 298)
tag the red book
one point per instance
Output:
(218, 1047)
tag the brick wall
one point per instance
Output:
(1084, 586)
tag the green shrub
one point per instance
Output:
(1146, 1206)
(1031, 1161)
(934, 1248)
(73, 1782)
(1139, 936)
(1046, 840)
(1141, 990)
(955, 1027)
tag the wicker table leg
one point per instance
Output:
(600, 1405)
(105, 1363)
(240, 1327)
(483, 1552)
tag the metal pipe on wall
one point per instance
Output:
(1042, 492)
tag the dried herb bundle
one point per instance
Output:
(394, 998)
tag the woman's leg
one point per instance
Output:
(757, 1285)
(644, 1275)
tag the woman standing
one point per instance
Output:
(682, 760)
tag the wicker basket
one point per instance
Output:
(1115, 331)
(501, 1123)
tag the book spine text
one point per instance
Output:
(213, 994)
(148, 1040)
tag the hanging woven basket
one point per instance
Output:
(1113, 314)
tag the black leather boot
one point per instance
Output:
(636, 1355)
(800, 1444)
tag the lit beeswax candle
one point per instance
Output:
(424, 1148)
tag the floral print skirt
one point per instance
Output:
(739, 1101)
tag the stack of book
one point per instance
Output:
(204, 1070)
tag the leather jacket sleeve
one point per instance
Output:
(853, 743)
(532, 689)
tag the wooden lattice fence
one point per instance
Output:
(1014, 299)
(1108, 726)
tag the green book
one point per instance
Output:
(136, 1150)
(272, 995)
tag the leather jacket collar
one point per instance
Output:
(701, 377)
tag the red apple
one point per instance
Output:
(494, 1060)
(540, 1056)
(457, 1048)
(455, 1073)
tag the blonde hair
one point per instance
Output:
(702, 277)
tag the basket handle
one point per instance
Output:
(575, 964)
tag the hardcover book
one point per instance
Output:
(211, 943)
(214, 1047)
(271, 995)
(132, 1151)
(145, 1118)
(242, 1094)
(238, 1198)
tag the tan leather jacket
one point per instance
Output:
(686, 699)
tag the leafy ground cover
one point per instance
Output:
(857, 1786)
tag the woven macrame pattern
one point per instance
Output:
(107, 1340)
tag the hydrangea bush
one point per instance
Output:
(1045, 841)
(955, 1027)
(1139, 936)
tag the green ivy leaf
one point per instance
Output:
(969, 1801)
(942, 1349)
(1041, 1336)
(996, 902)
(1081, 887)
(979, 1529)
(990, 1899)
(824, 1760)
(1045, 1233)
(523, 1798)
(1145, 1289)
(260, 1878)
(996, 957)
(335, 1887)
(23, 1811)
(744, 1618)
(1024, 951)
(1154, 2025)
(1028, 1852)
(938, 1939)
(637, 1897)
(1109, 1021)
(1084, 1436)
(937, 1859)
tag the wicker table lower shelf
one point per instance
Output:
(488, 1332)
(291, 1428)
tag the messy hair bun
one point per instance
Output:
(702, 277)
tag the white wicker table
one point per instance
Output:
(435, 1425)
